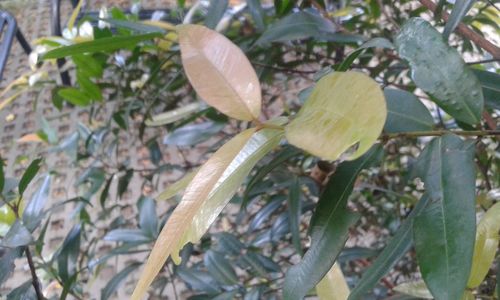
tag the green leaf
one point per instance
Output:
(207, 194)
(398, 246)
(329, 228)
(416, 289)
(177, 114)
(294, 212)
(135, 26)
(67, 255)
(29, 174)
(444, 232)
(264, 213)
(18, 235)
(117, 280)
(405, 112)
(215, 12)
(257, 14)
(490, 82)
(148, 221)
(32, 214)
(2, 175)
(7, 263)
(373, 43)
(74, 96)
(440, 71)
(220, 268)
(103, 44)
(299, 25)
(127, 236)
(88, 86)
(460, 9)
(124, 181)
(345, 109)
(199, 280)
(25, 291)
(88, 65)
(177, 187)
(486, 246)
(193, 134)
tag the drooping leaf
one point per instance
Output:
(177, 187)
(127, 236)
(264, 213)
(102, 44)
(399, 244)
(193, 134)
(124, 181)
(257, 13)
(416, 289)
(68, 254)
(205, 197)
(25, 291)
(406, 112)
(460, 9)
(490, 82)
(32, 215)
(444, 232)
(486, 246)
(294, 212)
(117, 280)
(215, 12)
(174, 115)
(199, 280)
(329, 228)
(148, 221)
(29, 174)
(440, 71)
(7, 263)
(220, 72)
(74, 96)
(333, 286)
(220, 268)
(299, 25)
(344, 109)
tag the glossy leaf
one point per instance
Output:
(193, 134)
(24, 291)
(115, 282)
(127, 236)
(215, 12)
(135, 26)
(490, 82)
(7, 263)
(174, 115)
(90, 88)
(29, 174)
(299, 25)
(148, 221)
(220, 268)
(486, 246)
(32, 215)
(205, 197)
(406, 112)
(102, 44)
(329, 228)
(177, 187)
(396, 248)
(344, 109)
(440, 71)
(333, 286)
(74, 96)
(68, 254)
(460, 9)
(199, 280)
(416, 289)
(220, 72)
(18, 235)
(444, 232)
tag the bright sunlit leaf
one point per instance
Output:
(486, 246)
(344, 109)
(220, 72)
(210, 190)
(333, 286)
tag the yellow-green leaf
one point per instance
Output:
(416, 288)
(174, 115)
(343, 110)
(486, 245)
(333, 286)
(210, 190)
(220, 72)
(177, 187)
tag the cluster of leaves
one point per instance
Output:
(311, 179)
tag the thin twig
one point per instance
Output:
(466, 32)
(286, 70)
(484, 61)
(35, 281)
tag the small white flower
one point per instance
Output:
(103, 14)
(120, 60)
(34, 55)
(69, 35)
(86, 30)
(136, 7)
(157, 15)
(33, 79)
(139, 83)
